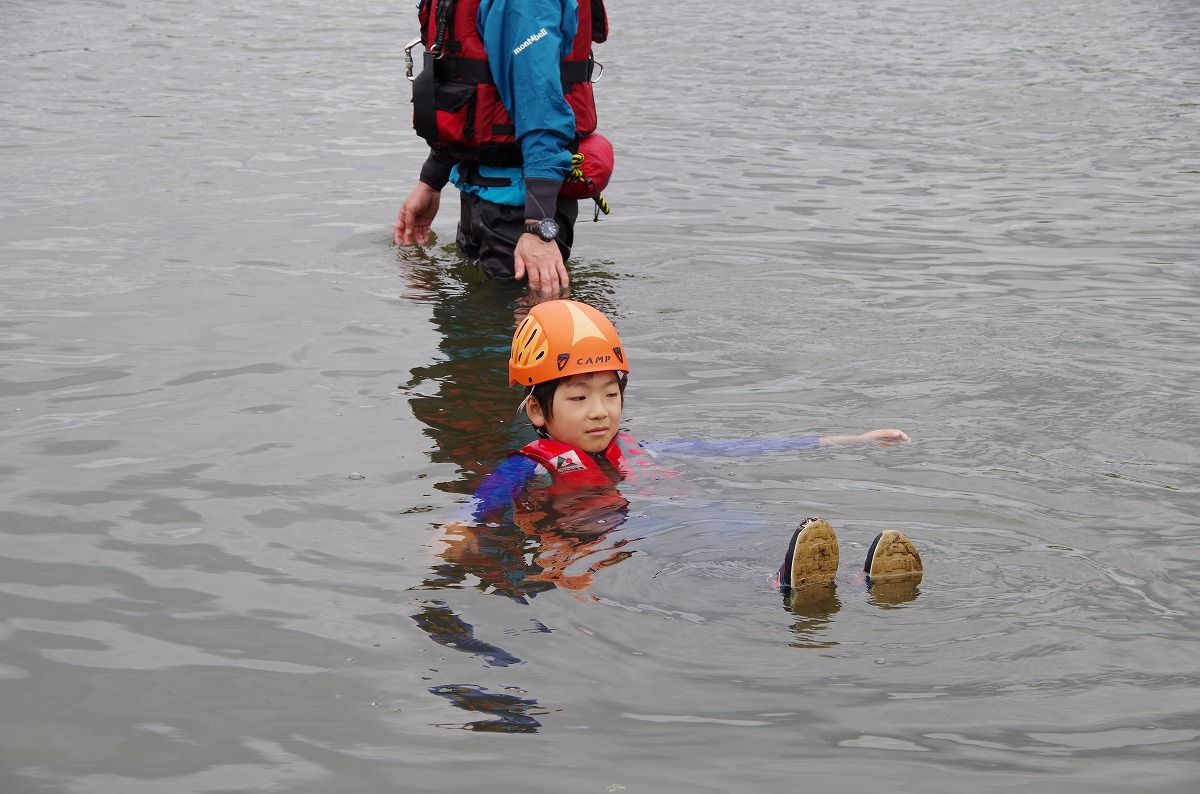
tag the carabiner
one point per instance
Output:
(408, 59)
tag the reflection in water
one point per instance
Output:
(814, 608)
(893, 594)
(470, 413)
(462, 399)
(512, 713)
(535, 546)
(448, 629)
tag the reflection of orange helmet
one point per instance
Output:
(562, 338)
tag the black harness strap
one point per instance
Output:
(444, 13)
(454, 68)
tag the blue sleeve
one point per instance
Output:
(525, 42)
(494, 496)
(734, 447)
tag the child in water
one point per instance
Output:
(573, 367)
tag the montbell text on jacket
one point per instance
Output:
(505, 84)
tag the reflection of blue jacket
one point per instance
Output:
(516, 474)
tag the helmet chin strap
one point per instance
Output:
(525, 402)
(541, 431)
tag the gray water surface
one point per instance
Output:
(234, 417)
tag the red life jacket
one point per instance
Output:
(456, 106)
(573, 468)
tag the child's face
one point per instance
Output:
(586, 412)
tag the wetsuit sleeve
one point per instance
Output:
(525, 42)
(734, 447)
(494, 496)
(435, 172)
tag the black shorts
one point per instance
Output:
(488, 232)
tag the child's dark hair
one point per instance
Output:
(543, 394)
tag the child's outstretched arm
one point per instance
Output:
(886, 438)
(732, 447)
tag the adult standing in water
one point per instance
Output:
(504, 97)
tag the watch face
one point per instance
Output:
(546, 228)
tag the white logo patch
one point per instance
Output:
(567, 462)
(540, 34)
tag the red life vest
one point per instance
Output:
(574, 468)
(456, 106)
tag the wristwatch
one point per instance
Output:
(546, 228)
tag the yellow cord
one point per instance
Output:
(577, 175)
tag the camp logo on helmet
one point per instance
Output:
(563, 358)
(584, 361)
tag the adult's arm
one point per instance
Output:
(416, 214)
(526, 41)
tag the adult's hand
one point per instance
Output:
(416, 215)
(542, 263)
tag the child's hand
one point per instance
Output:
(886, 438)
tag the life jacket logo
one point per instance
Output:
(567, 462)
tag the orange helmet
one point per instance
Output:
(561, 338)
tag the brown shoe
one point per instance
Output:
(893, 558)
(812, 555)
